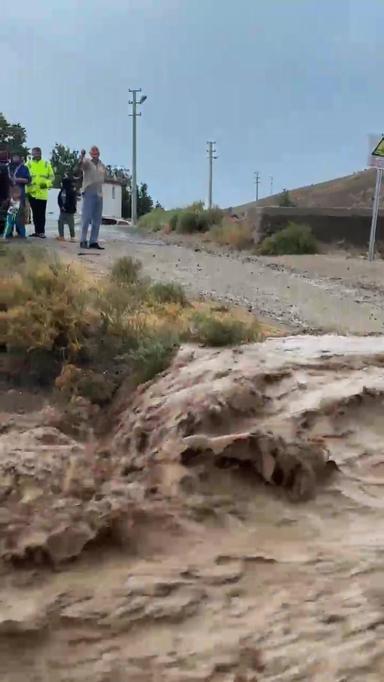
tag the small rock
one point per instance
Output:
(68, 542)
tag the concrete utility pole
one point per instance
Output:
(134, 115)
(257, 183)
(271, 180)
(211, 156)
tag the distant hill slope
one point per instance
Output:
(351, 191)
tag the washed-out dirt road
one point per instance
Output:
(300, 293)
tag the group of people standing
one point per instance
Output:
(24, 187)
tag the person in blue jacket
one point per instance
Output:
(20, 177)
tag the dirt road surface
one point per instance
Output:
(301, 293)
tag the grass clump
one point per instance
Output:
(168, 292)
(153, 356)
(212, 330)
(293, 239)
(235, 235)
(126, 270)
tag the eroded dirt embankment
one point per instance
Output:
(225, 526)
(300, 293)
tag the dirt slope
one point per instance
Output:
(175, 544)
(351, 191)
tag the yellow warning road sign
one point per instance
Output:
(379, 149)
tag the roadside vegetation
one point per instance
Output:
(59, 326)
(213, 225)
(193, 218)
(293, 239)
(237, 235)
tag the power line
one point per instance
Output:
(211, 156)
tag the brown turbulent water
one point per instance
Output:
(224, 526)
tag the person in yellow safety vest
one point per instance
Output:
(42, 177)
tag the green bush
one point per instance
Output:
(168, 292)
(190, 221)
(154, 220)
(193, 218)
(187, 222)
(222, 331)
(153, 356)
(126, 270)
(215, 216)
(159, 219)
(202, 223)
(173, 221)
(293, 239)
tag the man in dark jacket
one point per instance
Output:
(20, 178)
(5, 188)
(67, 199)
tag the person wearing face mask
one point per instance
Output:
(42, 177)
(93, 178)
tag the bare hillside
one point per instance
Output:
(351, 191)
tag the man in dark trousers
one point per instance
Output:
(41, 180)
(5, 188)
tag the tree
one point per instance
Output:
(158, 205)
(13, 137)
(285, 200)
(144, 200)
(64, 162)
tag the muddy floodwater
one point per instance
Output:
(225, 526)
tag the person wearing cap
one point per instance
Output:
(93, 178)
(42, 177)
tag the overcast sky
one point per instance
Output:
(287, 87)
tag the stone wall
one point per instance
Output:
(328, 225)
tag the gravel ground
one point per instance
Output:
(310, 293)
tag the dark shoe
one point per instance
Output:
(83, 245)
(96, 245)
(41, 236)
(34, 235)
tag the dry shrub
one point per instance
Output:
(236, 235)
(168, 292)
(211, 329)
(46, 318)
(126, 270)
(56, 325)
(97, 387)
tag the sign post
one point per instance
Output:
(376, 160)
(375, 213)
